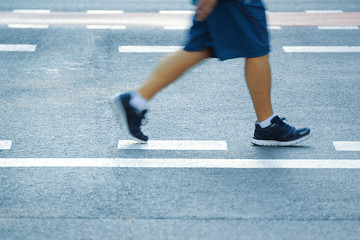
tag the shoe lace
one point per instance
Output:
(283, 124)
(143, 120)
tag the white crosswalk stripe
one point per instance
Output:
(110, 27)
(148, 49)
(182, 163)
(176, 27)
(105, 11)
(176, 12)
(5, 144)
(39, 11)
(17, 48)
(174, 145)
(274, 27)
(322, 49)
(347, 145)
(338, 27)
(324, 11)
(32, 26)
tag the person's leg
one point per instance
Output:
(169, 69)
(275, 132)
(258, 78)
(129, 114)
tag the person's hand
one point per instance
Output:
(204, 9)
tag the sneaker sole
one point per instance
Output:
(120, 115)
(274, 143)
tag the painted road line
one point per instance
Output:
(149, 49)
(40, 11)
(5, 144)
(274, 27)
(176, 12)
(324, 11)
(188, 26)
(174, 145)
(17, 48)
(30, 26)
(321, 49)
(105, 11)
(338, 27)
(110, 27)
(176, 27)
(347, 145)
(181, 163)
(314, 19)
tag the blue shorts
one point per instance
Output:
(235, 28)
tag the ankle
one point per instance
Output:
(138, 101)
(267, 122)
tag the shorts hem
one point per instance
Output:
(230, 56)
(189, 49)
(242, 55)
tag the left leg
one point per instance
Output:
(258, 77)
(170, 69)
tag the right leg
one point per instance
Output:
(258, 78)
(171, 68)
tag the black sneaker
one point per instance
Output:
(279, 134)
(129, 118)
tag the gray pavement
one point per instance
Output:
(53, 104)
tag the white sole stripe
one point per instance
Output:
(347, 145)
(5, 144)
(182, 163)
(174, 145)
(17, 48)
(149, 49)
(274, 143)
(322, 49)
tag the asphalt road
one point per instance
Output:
(53, 104)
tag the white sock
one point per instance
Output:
(138, 102)
(267, 122)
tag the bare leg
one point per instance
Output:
(258, 77)
(169, 69)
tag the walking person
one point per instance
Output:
(224, 29)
